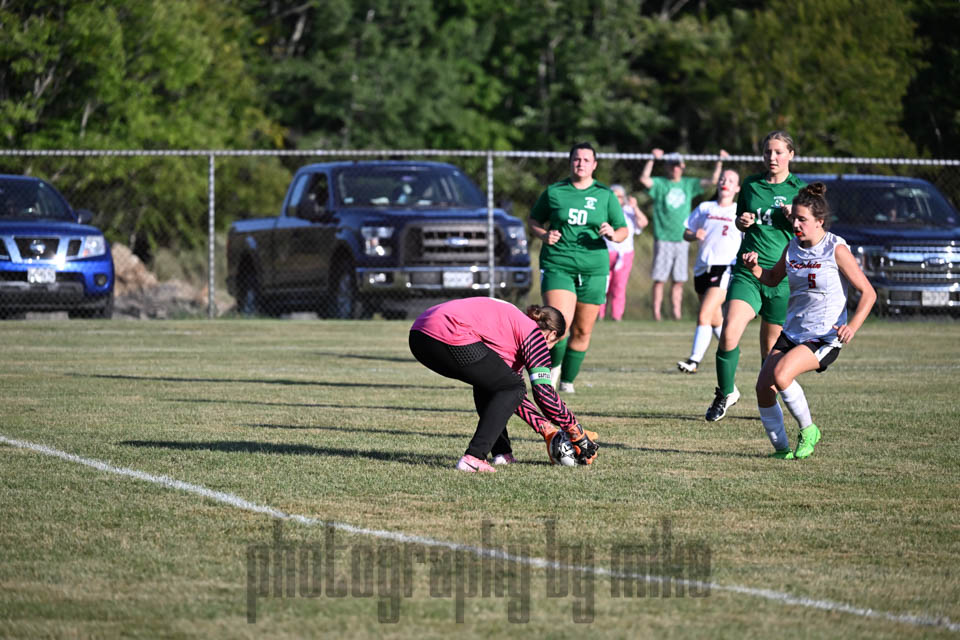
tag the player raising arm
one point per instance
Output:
(818, 265)
(486, 343)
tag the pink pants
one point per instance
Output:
(617, 288)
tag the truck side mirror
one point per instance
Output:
(310, 209)
(84, 216)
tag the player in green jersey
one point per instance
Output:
(762, 210)
(572, 218)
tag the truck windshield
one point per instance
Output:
(407, 187)
(27, 199)
(907, 204)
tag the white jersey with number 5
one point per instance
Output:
(818, 291)
(722, 241)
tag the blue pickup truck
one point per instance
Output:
(51, 259)
(355, 238)
(906, 236)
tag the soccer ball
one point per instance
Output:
(559, 449)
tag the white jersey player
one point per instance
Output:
(720, 239)
(818, 293)
(818, 266)
(712, 225)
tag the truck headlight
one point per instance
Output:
(516, 239)
(373, 238)
(93, 246)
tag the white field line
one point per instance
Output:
(540, 563)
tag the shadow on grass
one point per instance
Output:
(471, 411)
(459, 435)
(685, 417)
(244, 446)
(466, 433)
(317, 405)
(305, 383)
(360, 356)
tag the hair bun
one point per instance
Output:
(816, 189)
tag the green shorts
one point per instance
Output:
(589, 289)
(770, 303)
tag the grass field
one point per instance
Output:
(335, 422)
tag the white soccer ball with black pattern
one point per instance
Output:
(560, 451)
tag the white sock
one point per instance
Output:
(701, 340)
(716, 331)
(796, 401)
(772, 419)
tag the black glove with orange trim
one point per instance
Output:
(584, 444)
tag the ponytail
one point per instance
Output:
(547, 318)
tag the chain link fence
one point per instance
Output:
(385, 233)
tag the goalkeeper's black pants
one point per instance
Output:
(497, 389)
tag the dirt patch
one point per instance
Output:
(139, 294)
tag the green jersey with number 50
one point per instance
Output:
(577, 214)
(771, 231)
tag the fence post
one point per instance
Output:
(211, 242)
(491, 234)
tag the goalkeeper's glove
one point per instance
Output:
(584, 444)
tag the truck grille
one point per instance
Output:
(34, 248)
(920, 264)
(447, 244)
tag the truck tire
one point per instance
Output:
(249, 302)
(345, 302)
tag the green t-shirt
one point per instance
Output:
(577, 214)
(672, 203)
(771, 232)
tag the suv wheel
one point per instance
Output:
(104, 311)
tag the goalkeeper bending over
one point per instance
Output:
(486, 342)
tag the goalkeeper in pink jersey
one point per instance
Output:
(487, 343)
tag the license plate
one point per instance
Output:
(934, 298)
(457, 279)
(41, 275)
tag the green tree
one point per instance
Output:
(131, 74)
(831, 72)
(379, 74)
(932, 104)
(574, 72)
(679, 58)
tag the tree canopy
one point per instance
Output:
(845, 77)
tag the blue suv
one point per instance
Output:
(904, 233)
(51, 259)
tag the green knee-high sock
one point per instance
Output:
(571, 365)
(727, 368)
(557, 353)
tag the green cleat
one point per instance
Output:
(782, 454)
(809, 437)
